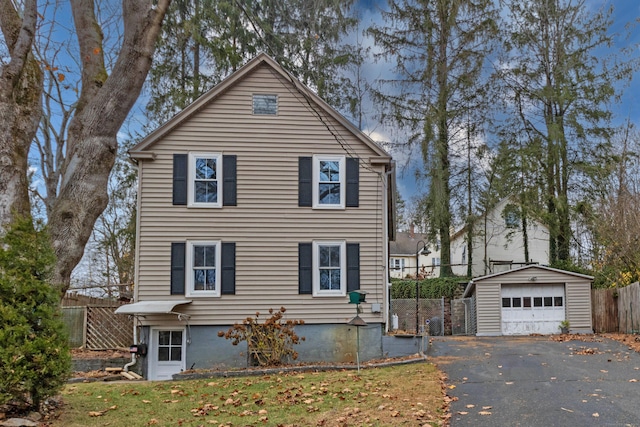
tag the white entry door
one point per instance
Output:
(167, 352)
(532, 309)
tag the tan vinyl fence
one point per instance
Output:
(616, 310)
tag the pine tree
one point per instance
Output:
(439, 48)
(560, 91)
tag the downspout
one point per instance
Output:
(134, 357)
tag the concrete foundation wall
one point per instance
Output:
(331, 343)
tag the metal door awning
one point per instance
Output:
(152, 307)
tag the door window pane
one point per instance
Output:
(517, 302)
(537, 301)
(557, 301)
(526, 302)
(506, 302)
(548, 301)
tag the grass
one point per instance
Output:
(404, 395)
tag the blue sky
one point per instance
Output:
(624, 13)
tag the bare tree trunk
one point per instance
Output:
(21, 86)
(104, 104)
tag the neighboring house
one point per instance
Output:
(532, 299)
(256, 196)
(408, 248)
(498, 242)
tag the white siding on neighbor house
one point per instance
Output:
(409, 270)
(577, 296)
(266, 225)
(498, 242)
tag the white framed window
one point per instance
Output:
(265, 104)
(329, 182)
(203, 260)
(329, 268)
(435, 262)
(398, 263)
(205, 180)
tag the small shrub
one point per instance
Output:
(269, 343)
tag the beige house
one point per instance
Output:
(498, 243)
(259, 196)
(531, 300)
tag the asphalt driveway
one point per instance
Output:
(536, 381)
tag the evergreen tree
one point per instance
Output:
(559, 90)
(439, 48)
(34, 353)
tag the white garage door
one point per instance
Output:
(532, 309)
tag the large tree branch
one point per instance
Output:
(20, 107)
(92, 137)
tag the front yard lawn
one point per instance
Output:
(401, 395)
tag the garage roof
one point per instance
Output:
(469, 289)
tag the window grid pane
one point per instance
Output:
(206, 180)
(204, 267)
(329, 182)
(329, 266)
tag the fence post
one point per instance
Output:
(84, 327)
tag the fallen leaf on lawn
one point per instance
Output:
(452, 386)
(175, 391)
(262, 411)
(96, 413)
(499, 366)
(153, 421)
(395, 413)
(146, 401)
(462, 412)
(509, 382)
(484, 413)
(603, 371)
(595, 414)
(471, 406)
(633, 380)
(565, 409)
(486, 407)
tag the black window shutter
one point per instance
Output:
(228, 275)
(305, 181)
(177, 268)
(229, 181)
(353, 183)
(305, 276)
(353, 267)
(179, 179)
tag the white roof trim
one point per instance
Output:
(151, 307)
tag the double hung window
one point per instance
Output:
(329, 181)
(203, 261)
(205, 179)
(330, 268)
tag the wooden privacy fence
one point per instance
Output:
(97, 328)
(629, 308)
(616, 310)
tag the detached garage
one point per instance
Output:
(531, 300)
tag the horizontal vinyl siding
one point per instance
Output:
(488, 309)
(267, 223)
(578, 296)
